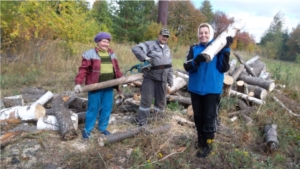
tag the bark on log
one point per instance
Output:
(271, 137)
(179, 99)
(259, 92)
(158, 130)
(183, 75)
(247, 67)
(79, 104)
(244, 96)
(232, 64)
(178, 83)
(227, 83)
(128, 108)
(119, 136)
(32, 94)
(12, 101)
(66, 127)
(237, 72)
(111, 83)
(252, 60)
(220, 41)
(31, 112)
(183, 121)
(269, 85)
(258, 67)
(246, 119)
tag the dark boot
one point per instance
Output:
(207, 146)
(200, 143)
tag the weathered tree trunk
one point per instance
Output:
(178, 83)
(227, 83)
(243, 111)
(244, 96)
(111, 83)
(258, 67)
(179, 99)
(246, 119)
(119, 136)
(66, 127)
(269, 85)
(220, 41)
(247, 67)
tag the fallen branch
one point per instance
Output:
(244, 96)
(283, 106)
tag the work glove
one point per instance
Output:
(77, 88)
(229, 41)
(188, 65)
(199, 58)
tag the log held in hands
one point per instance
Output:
(114, 82)
(220, 41)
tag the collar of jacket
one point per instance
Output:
(110, 51)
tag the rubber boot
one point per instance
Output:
(207, 148)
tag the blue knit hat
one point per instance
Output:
(102, 35)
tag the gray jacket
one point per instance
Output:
(159, 56)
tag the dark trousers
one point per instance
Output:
(205, 109)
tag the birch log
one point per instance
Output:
(220, 41)
(258, 67)
(244, 96)
(252, 60)
(236, 73)
(178, 83)
(283, 106)
(111, 83)
(259, 92)
(269, 85)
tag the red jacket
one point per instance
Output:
(91, 67)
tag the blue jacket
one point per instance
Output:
(207, 78)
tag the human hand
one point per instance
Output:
(200, 58)
(229, 41)
(77, 88)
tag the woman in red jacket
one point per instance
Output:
(98, 65)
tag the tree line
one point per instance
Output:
(131, 22)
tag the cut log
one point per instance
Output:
(178, 83)
(79, 104)
(158, 130)
(237, 72)
(246, 119)
(271, 137)
(242, 104)
(12, 101)
(259, 92)
(179, 99)
(183, 75)
(183, 121)
(240, 86)
(227, 83)
(269, 85)
(50, 122)
(119, 136)
(220, 41)
(31, 112)
(247, 67)
(111, 83)
(244, 96)
(66, 128)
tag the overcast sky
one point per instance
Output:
(258, 14)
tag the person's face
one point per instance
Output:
(103, 44)
(163, 39)
(203, 34)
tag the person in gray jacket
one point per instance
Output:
(155, 82)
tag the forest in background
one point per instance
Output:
(72, 23)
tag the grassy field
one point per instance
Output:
(54, 69)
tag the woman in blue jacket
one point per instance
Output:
(205, 85)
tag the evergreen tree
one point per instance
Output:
(100, 12)
(206, 10)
